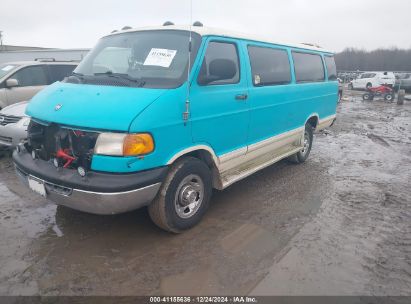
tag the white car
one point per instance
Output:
(372, 79)
(13, 125)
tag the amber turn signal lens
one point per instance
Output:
(138, 144)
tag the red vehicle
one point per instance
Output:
(384, 91)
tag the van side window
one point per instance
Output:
(269, 66)
(220, 64)
(31, 76)
(331, 68)
(308, 67)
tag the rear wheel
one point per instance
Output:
(302, 155)
(389, 97)
(184, 196)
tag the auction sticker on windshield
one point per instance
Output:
(160, 57)
(37, 186)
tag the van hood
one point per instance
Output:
(91, 106)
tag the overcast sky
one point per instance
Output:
(333, 24)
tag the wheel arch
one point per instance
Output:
(313, 120)
(204, 153)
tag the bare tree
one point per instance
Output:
(393, 59)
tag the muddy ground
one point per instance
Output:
(339, 224)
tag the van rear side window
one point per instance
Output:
(331, 68)
(269, 66)
(308, 67)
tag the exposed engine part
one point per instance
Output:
(67, 148)
(64, 154)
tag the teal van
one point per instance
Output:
(159, 117)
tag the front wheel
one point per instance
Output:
(184, 196)
(367, 96)
(302, 155)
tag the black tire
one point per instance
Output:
(389, 97)
(169, 207)
(367, 96)
(303, 154)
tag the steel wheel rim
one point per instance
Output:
(306, 143)
(189, 196)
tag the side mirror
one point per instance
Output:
(11, 83)
(220, 69)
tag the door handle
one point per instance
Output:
(241, 97)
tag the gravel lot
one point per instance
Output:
(338, 224)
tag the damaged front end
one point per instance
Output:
(64, 147)
(56, 162)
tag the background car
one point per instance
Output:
(403, 81)
(13, 125)
(19, 81)
(372, 79)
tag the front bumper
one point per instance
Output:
(12, 134)
(98, 193)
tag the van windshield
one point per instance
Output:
(154, 59)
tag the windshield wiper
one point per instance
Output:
(139, 82)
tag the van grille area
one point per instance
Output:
(67, 148)
(8, 119)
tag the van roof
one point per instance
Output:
(210, 31)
